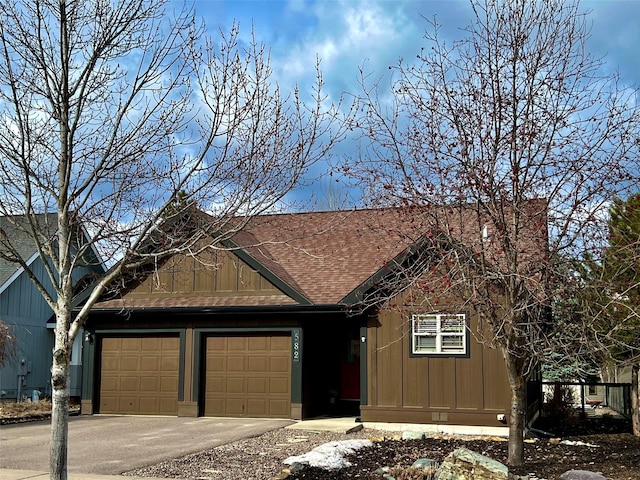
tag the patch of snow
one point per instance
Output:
(329, 456)
(579, 443)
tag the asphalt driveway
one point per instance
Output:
(111, 445)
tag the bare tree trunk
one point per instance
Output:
(517, 384)
(516, 425)
(635, 412)
(60, 405)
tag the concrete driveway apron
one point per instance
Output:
(110, 445)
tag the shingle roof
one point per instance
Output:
(14, 227)
(320, 257)
(196, 301)
(325, 256)
(329, 254)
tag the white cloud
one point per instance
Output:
(344, 35)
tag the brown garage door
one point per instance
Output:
(248, 376)
(139, 375)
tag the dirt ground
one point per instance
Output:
(12, 412)
(605, 447)
(616, 456)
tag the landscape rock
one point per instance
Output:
(425, 463)
(295, 467)
(465, 464)
(413, 435)
(581, 475)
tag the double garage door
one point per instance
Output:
(243, 376)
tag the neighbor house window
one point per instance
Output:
(439, 333)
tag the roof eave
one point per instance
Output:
(316, 308)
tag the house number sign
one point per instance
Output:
(296, 345)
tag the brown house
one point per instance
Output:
(282, 323)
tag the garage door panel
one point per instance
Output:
(257, 385)
(170, 343)
(168, 364)
(129, 384)
(257, 364)
(281, 344)
(279, 408)
(169, 384)
(150, 364)
(109, 383)
(111, 344)
(258, 344)
(236, 344)
(257, 407)
(152, 344)
(111, 364)
(215, 364)
(248, 376)
(149, 384)
(215, 406)
(279, 364)
(168, 405)
(234, 406)
(130, 344)
(127, 404)
(129, 363)
(216, 344)
(148, 405)
(236, 385)
(108, 404)
(236, 364)
(279, 385)
(139, 375)
(215, 385)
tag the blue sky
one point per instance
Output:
(348, 33)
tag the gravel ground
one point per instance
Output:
(257, 458)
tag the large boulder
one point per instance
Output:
(581, 475)
(465, 464)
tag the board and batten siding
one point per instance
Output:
(24, 309)
(430, 389)
(212, 273)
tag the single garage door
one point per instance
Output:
(248, 376)
(139, 375)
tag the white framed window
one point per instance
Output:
(439, 333)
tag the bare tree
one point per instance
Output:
(517, 110)
(116, 117)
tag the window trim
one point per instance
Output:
(464, 353)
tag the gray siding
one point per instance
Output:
(23, 308)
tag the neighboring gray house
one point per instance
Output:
(31, 319)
